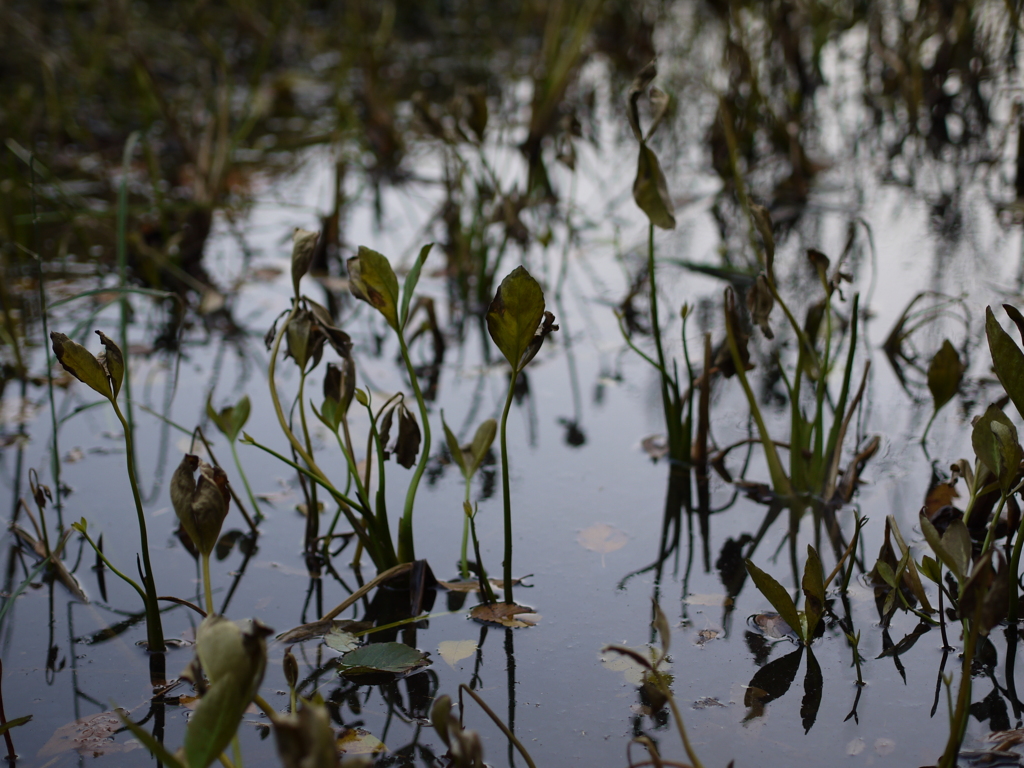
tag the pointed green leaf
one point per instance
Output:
(939, 547)
(913, 578)
(80, 363)
(453, 447)
(515, 314)
(777, 596)
(372, 279)
(409, 287)
(944, 375)
(931, 569)
(229, 420)
(814, 590)
(650, 190)
(994, 439)
(763, 223)
(957, 541)
(1007, 360)
(482, 441)
(661, 624)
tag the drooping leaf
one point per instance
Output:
(393, 658)
(777, 596)
(944, 375)
(229, 420)
(303, 248)
(953, 547)
(80, 363)
(372, 279)
(1007, 360)
(650, 190)
(659, 108)
(515, 314)
(298, 335)
(411, 279)
(813, 585)
(407, 445)
(454, 651)
(994, 439)
(643, 79)
(602, 538)
(454, 448)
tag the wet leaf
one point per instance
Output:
(392, 658)
(340, 640)
(777, 596)
(650, 190)
(318, 629)
(1007, 360)
(411, 279)
(944, 375)
(303, 248)
(515, 315)
(372, 279)
(454, 651)
(229, 420)
(953, 547)
(358, 741)
(506, 614)
(602, 538)
(80, 363)
(92, 735)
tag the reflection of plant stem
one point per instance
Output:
(154, 627)
(465, 537)
(113, 569)
(497, 721)
(506, 495)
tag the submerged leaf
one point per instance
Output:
(650, 190)
(393, 658)
(92, 735)
(602, 538)
(454, 651)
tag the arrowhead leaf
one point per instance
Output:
(944, 374)
(515, 314)
(81, 363)
(372, 279)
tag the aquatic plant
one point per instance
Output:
(518, 324)
(469, 458)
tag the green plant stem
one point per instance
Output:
(679, 720)
(134, 584)
(992, 525)
(207, 584)
(506, 495)
(465, 535)
(497, 721)
(672, 421)
(406, 549)
(1011, 615)
(154, 626)
(248, 490)
(958, 723)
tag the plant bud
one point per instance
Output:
(291, 668)
(201, 505)
(305, 739)
(303, 248)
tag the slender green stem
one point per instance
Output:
(154, 626)
(406, 549)
(485, 583)
(506, 495)
(958, 723)
(497, 721)
(207, 584)
(679, 721)
(1011, 616)
(465, 535)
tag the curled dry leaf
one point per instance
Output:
(201, 505)
(505, 614)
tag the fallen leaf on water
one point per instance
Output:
(772, 625)
(655, 446)
(474, 585)
(884, 746)
(709, 600)
(392, 658)
(75, 454)
(357, 741)
(602, 538)
(340, 640)
(855, 747)
(630, 669)
(320, 628)
(507, 615)
(454, 651)
(706, 702)
(93, 735)
(706, 635)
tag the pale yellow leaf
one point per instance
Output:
(602, 538)
(454, 651)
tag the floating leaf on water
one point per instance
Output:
(393, 658)
(709, 600)
(357, 741)
(884, 746)
(706, 636)
(340, 640)
(317, 629)
(454, 651)
(773, 625)
(508, 615)
(602, 538)
(93, 735)
(855, 747)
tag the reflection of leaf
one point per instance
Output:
(454, 651)
(813, 685)
(944, 374)
(340, 640)
(771, 682)
(907, 642)
(395, 658)
(93, 735)
(357, 741)
(602, 538)
(506, 614)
